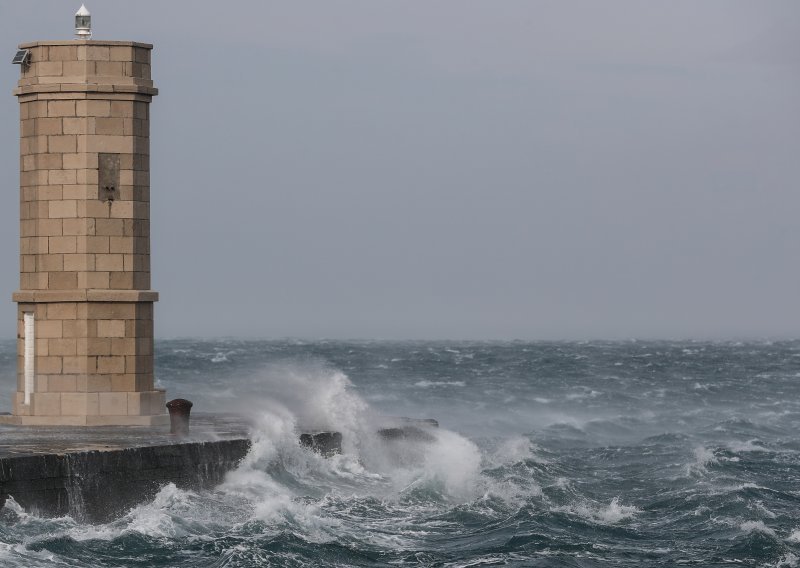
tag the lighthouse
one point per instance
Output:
(85, 303)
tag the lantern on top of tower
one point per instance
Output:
(83, 23)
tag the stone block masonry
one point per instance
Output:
(85, 236)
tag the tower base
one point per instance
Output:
(156, 420)
(90, 362)
(89, 409)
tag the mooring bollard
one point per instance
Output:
(179, 410)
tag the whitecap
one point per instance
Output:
(428, 384)
(16, 508)
(562, 483)
(757, 527)
(451, 464)
(763, 510)
(512, 492)
(513, 450)
(610, 514)
(788, 560)
(703, 457)
(586, 393)
(748, 446)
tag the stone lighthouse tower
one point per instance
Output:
(85, 307)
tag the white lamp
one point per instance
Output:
(83, 23)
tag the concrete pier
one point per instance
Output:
(95, 474)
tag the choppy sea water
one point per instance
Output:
(549, 454)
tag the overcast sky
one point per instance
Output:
(458, 169)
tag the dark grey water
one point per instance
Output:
(550, 454)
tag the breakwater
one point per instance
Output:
(96, 474)
(99, 485)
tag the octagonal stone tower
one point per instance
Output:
(85, 308)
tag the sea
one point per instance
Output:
(581, 454)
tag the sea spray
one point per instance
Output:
(312, 394)
(703, 459)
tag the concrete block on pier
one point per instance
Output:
(412, 429)
(325, 443)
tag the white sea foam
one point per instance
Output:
(454, 461)
(16, 508)
(788, 560)
(763, 510)
(563, 483)
(308, 396)
(616, 512)
(747, 446)
(725, 489)
(586, 393)
(271, 501)
(486, 560)
(157, 518)
(520, 484)
(512, 451)
(313, 395)
(703, 457)
(169, 515)
(20, 555)
(172, 513)
(512, 492)
(219, 358)
(428, 384)
(757, 527)
(610, 514)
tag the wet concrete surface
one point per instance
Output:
(17, 441)
(97, 473)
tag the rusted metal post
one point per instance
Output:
(179, 410)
